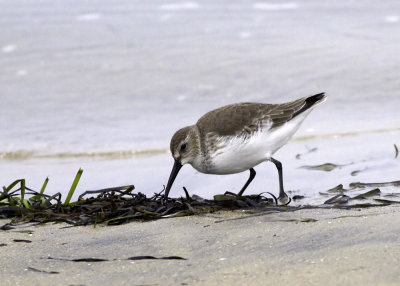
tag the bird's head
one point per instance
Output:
(185, 148)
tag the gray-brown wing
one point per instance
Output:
(242, 119)
(238, 119)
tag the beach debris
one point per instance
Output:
(338, 199)
(27, 231)
(356, 172)
(232, 199)
(344, 201)
(396, 151)
(327, 167)
(374, 192)
(141, 257)
(298, 197)
(42, 271)
(152, 257)
(387, 202)
(392, 195)
(308, 220)
(337, 189)
(118, 205)
(109, 206)
(22, 240)
(3, 244)
(90, 259)
(298, 156)
(7, 226)
(375, 185)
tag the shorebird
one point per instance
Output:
(237, 137)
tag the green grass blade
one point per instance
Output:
(12, 185)
(22, 189)
(44, 185)
(73, 187)
(26, 204)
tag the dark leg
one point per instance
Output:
(252, 175)
(282, 195)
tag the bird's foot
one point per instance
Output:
(164, 201)
(284, 199)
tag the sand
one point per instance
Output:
(306, 247)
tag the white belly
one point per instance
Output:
(236, 154)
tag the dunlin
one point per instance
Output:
(237, 137)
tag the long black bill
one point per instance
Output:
(175, 170)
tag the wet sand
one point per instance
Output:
(305, 247)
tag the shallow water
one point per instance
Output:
(103, 86)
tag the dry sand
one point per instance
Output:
(306, 247)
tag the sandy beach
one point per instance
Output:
(305, 247)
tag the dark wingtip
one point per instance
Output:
(315, 98)
(311, 101)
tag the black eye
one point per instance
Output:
(183, 147)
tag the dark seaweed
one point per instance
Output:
(375, 185)
(356, 172)
(370, 193)
(142, 257)
(298, 156)
(337, 189)
(42, 271)
(338, 199)
(152, 257)
(22, 240)
(118, 205)
(91, 259)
